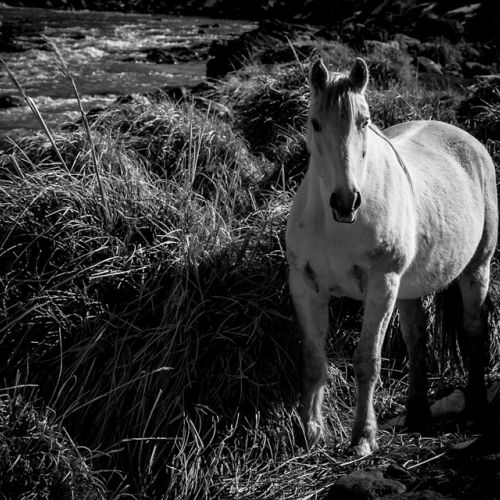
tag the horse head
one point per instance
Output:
(337, 135)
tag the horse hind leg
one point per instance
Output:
(473, 285)
(412, 320)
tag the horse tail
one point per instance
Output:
(448, 329)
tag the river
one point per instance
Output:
(109, 54)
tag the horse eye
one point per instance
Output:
(364, 122)
(316, 126)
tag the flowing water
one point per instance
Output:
(109, 54)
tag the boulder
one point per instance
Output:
(10, 101)
(452, 404)
(365, 485)
(432, 25)
(407, 43)
(442, 53)
(417, 495)
(427, 65)
(160, 56)
(268, 36)
(382, 49)
(473, 68)
(399, 473)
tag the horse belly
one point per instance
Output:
(435, 269)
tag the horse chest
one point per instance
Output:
(331, 269)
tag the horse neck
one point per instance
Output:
(385, 169)
(387, 151)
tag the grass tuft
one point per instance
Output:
(38, 459)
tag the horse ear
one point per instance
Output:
(318, 76)
(359, 75)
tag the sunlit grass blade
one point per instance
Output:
(34, 109)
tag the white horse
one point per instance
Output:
(386, 218)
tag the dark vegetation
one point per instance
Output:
(144, 294)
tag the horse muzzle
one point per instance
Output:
(344, 208)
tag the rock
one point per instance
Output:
(407, 43)
(176, 94)
(464, 445)
(382, 49)
(231, 55)
(472, 68)
(160, 56)
(417, 495)
(397, 421)
(330, 34)
(124, 99)
(176, 54)
(94, 113)
(365, 485)
(395, 471)
(187, 54)
(204, 88)
(427, 65)
(451, 404)
(433, 25)
(444, 54)
(10, 101)
(76, 35)
(465, 11)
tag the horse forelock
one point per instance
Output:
(337, 97)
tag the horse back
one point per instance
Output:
(451, 144)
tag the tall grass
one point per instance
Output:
(163, 336)
(168, 323)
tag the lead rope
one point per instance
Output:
(398, 156)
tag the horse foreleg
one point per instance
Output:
(474, 289)
(312, 312)
(412, 319)
(380, 297)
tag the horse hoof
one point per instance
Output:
(363, 447)
(311, 434)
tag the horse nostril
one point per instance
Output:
(334, 201)
(348, 205)
(357, 201)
